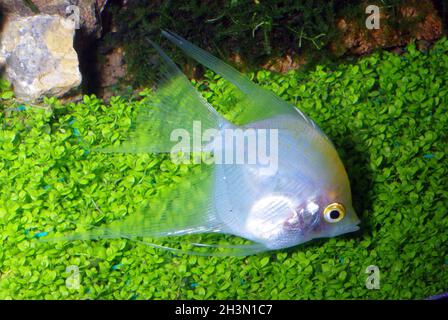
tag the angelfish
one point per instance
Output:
(307, 196)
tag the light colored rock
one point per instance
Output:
(39, 57)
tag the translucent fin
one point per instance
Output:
(256, 102)
(189, 248)
(174, 105)
(184, 207)
(216, 250)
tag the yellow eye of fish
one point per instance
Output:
(334, 212)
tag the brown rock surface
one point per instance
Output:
(416, 20)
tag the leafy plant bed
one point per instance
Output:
(387, 116)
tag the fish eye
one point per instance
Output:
(334, 212)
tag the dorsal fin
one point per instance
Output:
(176, 104)
(258, 103)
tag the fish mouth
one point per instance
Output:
(344, 230)
(351, 228)
(353, 224)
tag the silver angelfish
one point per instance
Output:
(308, 195)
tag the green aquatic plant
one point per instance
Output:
(30, 4)
(387, 116)
(5, 90)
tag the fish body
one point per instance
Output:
(306, 195)
(284, 207)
